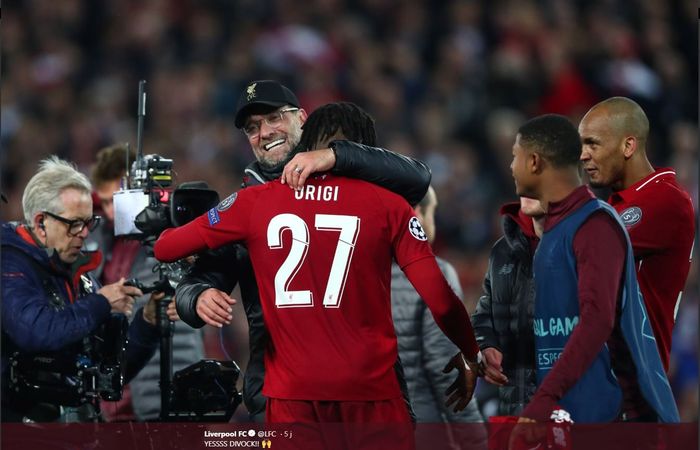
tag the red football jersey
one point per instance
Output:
(322, 257)
(659, 218)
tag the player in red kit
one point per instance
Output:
(322, 257)
(656, 211)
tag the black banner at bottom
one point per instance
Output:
(157, 436)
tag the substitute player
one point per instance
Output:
(656, 211)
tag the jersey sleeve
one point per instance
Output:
(660, 223)
(227, 222)
(409, 240)
(415, 257)
(447, 310)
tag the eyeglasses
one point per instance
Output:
(273, 120)
(76, 226)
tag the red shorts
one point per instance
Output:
(348, 425)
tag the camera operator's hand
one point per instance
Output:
(149, 311)
(120, 297)
(214, 307)
(172, 311)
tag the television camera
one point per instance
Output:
(54, 378)
(204, 391)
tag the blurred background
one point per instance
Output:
(448, 82)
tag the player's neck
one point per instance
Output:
(538, 225)
(636, 170)
(559, 186)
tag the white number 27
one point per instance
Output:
(349, 227)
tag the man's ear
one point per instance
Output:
(420, 213)
(38, 223)
(302, 115)
(535, 162)
(629, 146)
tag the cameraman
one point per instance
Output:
(273, 137)
(51, 305)
(127, 258)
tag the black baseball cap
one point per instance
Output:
(263, 92)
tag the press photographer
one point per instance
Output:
(63, 336)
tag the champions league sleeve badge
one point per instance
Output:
(631, 216)
(213, 216)
(227, 202)
(416, 229)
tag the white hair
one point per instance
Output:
(44, 190)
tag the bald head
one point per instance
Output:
(625, 118)
(614, 135)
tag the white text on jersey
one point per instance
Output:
(320, 193)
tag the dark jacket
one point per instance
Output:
(37, 314)
(401, 174)
(504, 313)
(225, 267)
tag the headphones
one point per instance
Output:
(41, 225)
